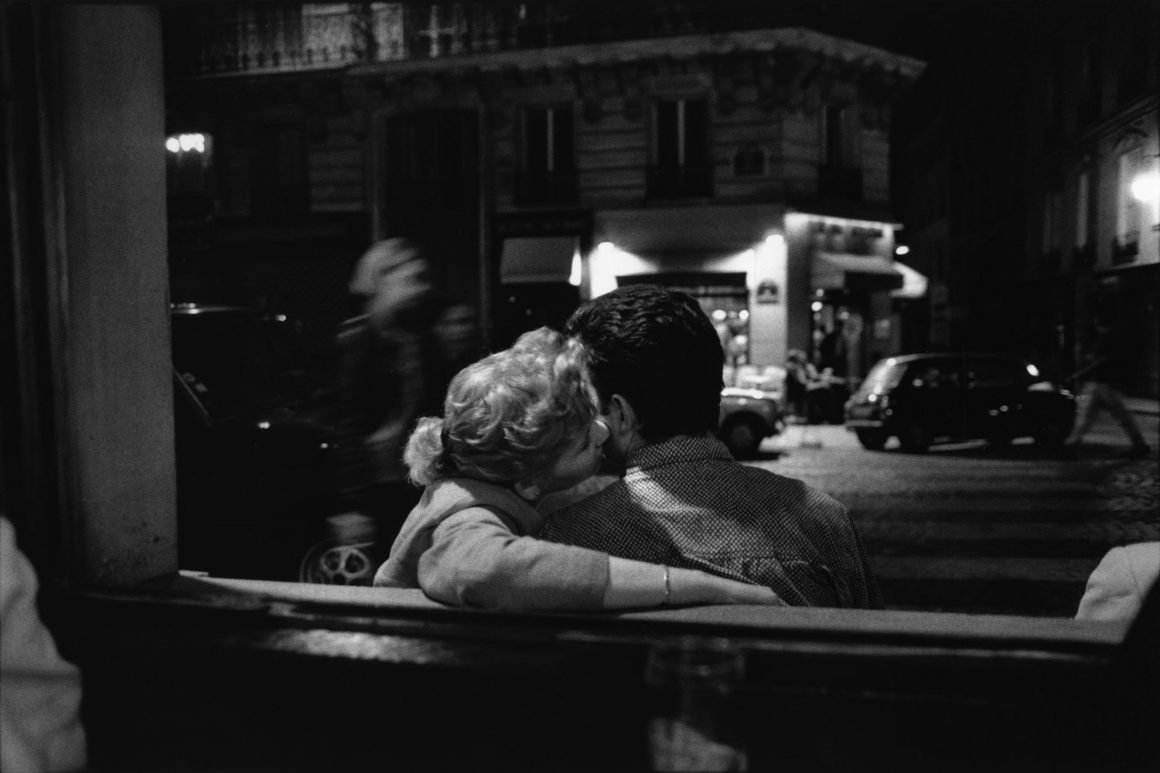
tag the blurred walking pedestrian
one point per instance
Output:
(389, 377)
(1102, 376)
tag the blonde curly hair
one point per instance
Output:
(506, 418)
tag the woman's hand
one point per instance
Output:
(642, 585)
(690, 586)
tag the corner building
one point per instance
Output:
(557, 151)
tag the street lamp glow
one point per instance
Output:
(1146, 187)
(184, 143)
(901, 249)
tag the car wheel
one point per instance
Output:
(914, 439)
(331, 562)
(1050, 436)
(871, 439)
(742, 436)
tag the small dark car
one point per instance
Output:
(254, 442)
(924, 399)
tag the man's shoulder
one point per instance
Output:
(760, 480)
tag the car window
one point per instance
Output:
(232, 359)
(883, 376)
(933, 374)
(991, 374)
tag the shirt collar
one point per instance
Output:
(680, 448)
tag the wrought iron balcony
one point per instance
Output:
(221, 39)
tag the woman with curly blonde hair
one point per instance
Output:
(516, 426)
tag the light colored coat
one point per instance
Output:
(1117, 587)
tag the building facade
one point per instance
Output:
(1093, 198)
(1032, 186)
(553, 152)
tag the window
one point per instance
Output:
(1052, 221)
(1089, 83)
(430, 159)
(680, 149)
(749, 161)
(1133, 72)
(836, 133)
(278, 181)
(1129, 214)
(1086, 213)
(1053, 104)
(838, 174)
(548, 172)
(1083, 208)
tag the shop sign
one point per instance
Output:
(768, 292)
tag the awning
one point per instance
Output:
(537, 259)
(843, 271)
(913, 283)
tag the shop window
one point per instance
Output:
(548, 170)
(681, 166)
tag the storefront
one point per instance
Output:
(771, 280)
(732, 259)
(845, 272)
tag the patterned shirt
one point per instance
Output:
(686, 502)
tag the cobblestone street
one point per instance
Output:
(967, 528)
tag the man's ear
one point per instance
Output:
(622, 422)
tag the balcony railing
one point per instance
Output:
(218, 39)
(545, 187)
(680, 182)
(839, 182)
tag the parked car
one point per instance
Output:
(254, 443)
(924, 399)
(748, 417)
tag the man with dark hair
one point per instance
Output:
(682, 500)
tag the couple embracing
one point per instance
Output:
(635, 380)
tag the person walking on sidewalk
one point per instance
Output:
(1102, 375)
